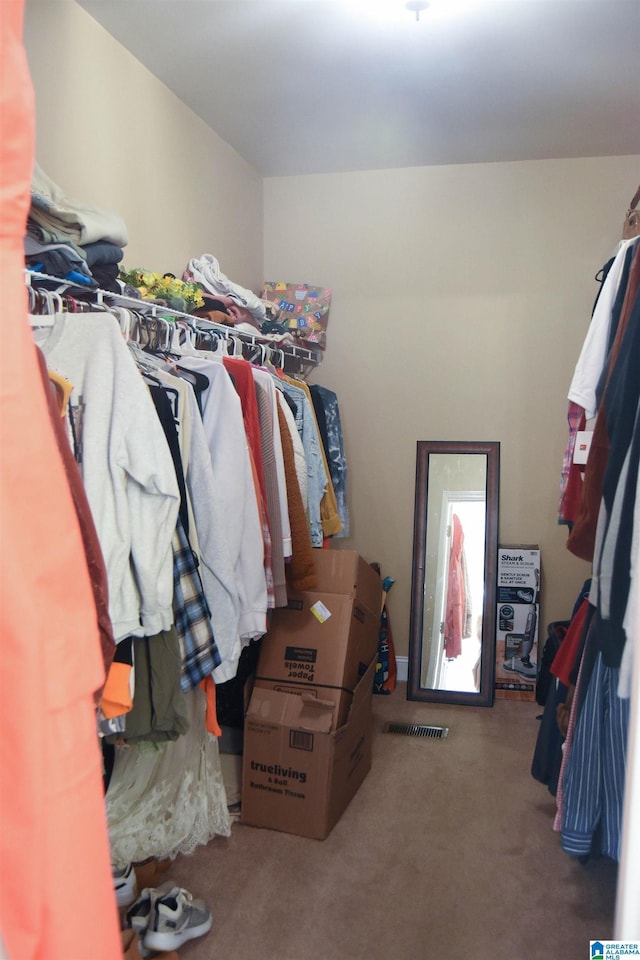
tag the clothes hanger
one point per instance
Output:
(222, 347)
(276, 357)
(176, 345)
(207, 335)
(190, 334)
(125, 321)
(31, 296)
(168, 330)
(46, 309)
(237, 347)
(198, 380)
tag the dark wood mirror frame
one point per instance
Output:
(485, 696)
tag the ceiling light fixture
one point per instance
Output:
(417, 6)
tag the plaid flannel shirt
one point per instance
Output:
(200, 655)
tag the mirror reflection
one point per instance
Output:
(452, 643)
(454, 572)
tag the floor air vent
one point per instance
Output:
(416, 730)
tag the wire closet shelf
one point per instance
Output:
(269, 347)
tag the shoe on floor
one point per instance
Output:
(125, 885)
(177, 917)
(139, 914)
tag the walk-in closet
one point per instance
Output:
(314, 315)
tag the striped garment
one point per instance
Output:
(594, 774)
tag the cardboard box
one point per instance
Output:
(519, 569)
(517, 622)
(321, 640)
(338, 701)
(299, 776)
(324, 640)
(345, 572)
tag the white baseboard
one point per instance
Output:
(402, 666)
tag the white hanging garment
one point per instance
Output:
(169, 798)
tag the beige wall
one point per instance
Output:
(461, 297)
(461, 294)
(112, 135)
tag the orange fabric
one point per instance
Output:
(116, 696)
(65, 389)
(211, 719)
(53, 838)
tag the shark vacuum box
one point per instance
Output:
(517, 616)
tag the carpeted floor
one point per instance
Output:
(447, 851)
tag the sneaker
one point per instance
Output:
(177, 917)
(125, 885)
(138, 916)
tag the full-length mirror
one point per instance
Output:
(455, 541)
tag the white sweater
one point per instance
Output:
(126, 467)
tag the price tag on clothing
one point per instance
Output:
(581, 449)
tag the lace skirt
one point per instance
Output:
(169, 798)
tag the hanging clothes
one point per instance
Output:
(166, 799)
(91, 543)
(586, 385)
(206, 433)
(325, 403)
(126, 467)
(582, 536)
(301, 569)
(329, 519)
(592, 778)
(275, 480)
(239, 514)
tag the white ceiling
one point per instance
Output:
(318, 86)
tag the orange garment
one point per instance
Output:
(64, 388)
(211, 716)
(53, 837)
(116, 696)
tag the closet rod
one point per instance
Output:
(107, 298)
